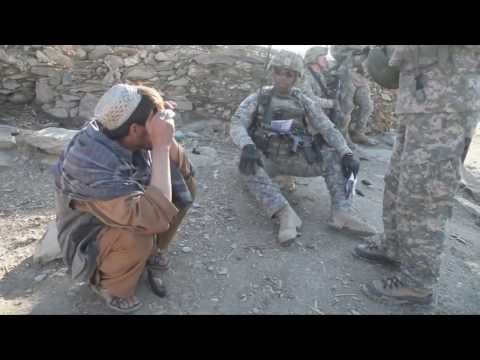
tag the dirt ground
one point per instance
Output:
(225, 259)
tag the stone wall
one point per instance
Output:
(66, 81)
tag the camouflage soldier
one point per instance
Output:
(437, 101)
(355, 92)
(295, 138)
(314, 83)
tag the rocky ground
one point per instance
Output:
(225, 259)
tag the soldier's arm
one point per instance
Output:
(241, 121)
(319, 123)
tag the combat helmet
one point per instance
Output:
(288, 60)
(313, 53)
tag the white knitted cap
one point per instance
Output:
(116, 106)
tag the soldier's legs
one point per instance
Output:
(266, 192)
(429, 173)
(363, 100)
(335, 180)
(390, 195)
(347, 106)
(342, 217)
(273, 203)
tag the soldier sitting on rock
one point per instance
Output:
(123, 187)
(281, 131)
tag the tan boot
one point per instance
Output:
(393, 290)
(289, 222)
(346, 221)
(361, 138)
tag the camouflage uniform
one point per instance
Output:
(425, 166)
(282, 162)
(355, 91)
(310, 86)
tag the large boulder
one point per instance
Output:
(47, 249)
(50, 140)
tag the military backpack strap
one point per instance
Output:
(320, 83)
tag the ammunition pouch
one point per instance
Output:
(274, 145)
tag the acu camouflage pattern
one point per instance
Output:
(312, 54)
(288, 60)
(355, 89)
(317, 121)
(424, 172)
(281, 162)
(311, 87)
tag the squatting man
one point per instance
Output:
(123, 187)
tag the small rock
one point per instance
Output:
(187, 249)
(255, 310)
(214, 299)
(354, 312)
(210, 268)
(366, 183)
(40, 277)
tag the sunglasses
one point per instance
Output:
(282, 72)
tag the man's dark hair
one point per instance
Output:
(139, 116)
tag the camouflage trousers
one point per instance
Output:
(420, 186)
(268, 194)
(357, 107)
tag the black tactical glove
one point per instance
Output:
(349, 165)
(249, 159)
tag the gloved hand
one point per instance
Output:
(249, 159)
(349, 165)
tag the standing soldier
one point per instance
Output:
(438, 98)
(315, 82)
(354, 92)
(295, 138)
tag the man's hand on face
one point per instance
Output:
(161, 131)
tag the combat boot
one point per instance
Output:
(344, 220)
(392, 289)
(289, 222)
(360, 138)
(375, 253)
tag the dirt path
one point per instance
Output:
(234, 266)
